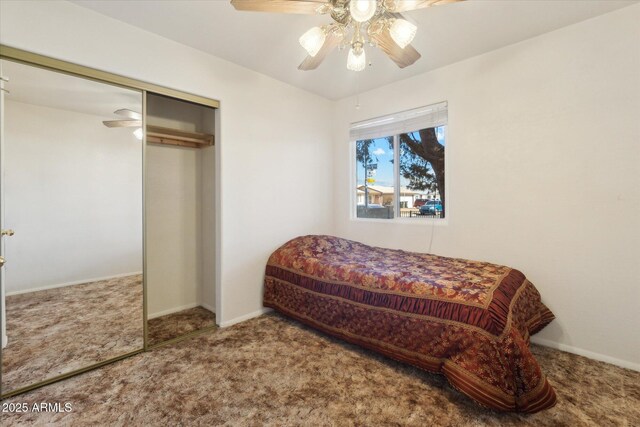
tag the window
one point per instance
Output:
(375, 191)
(400, 164)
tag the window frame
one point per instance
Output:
(352, 182)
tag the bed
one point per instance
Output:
(468, 320)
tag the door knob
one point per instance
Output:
(1, 261)
(8, 232)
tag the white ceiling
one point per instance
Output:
(268, 42)
(45, 88)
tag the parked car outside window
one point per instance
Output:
(431, 207)
(419, 202)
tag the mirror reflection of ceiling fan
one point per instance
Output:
(130, 119)
(356, 24)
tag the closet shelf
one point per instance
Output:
(168, 136)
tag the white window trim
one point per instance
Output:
(405, 121)
(353, 215)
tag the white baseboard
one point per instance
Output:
(173, 310)
(245, 317)
(180, 308)
(586, 353)
(77, 282)
(208, 307)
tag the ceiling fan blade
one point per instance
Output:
(312, 62)
(122, 123)
(130, 114)
(402, 57)
(405, 5)
(310, 7)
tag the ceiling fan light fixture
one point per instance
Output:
(402, 32)
(356, 61)
(406, 4)
(362, 10)
(138, 134)
(378, 23)
(313, 40)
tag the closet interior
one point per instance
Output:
(180, 218)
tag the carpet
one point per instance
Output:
(174, 325)
(273, 371)
(59, 330)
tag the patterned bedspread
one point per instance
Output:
(469, 320)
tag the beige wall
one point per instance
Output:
(73, 195)
(174, 233)
(544, 151)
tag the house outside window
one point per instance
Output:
(400, 165)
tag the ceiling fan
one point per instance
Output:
(130, 119)
(380, 21)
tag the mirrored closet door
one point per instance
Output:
(72, 224)
(179, 218)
